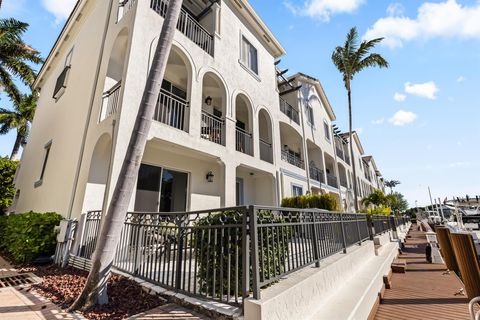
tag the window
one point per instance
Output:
(310, 115)
(249, 55)
(297, 191)
(62, 79)
(44, 165)
(327, 130)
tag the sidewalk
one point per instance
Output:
(425, 291)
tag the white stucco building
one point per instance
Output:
(229, 129)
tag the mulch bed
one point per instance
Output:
(63, 285)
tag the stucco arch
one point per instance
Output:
(241, 104)
(98, 174)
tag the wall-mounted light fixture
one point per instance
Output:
(210, 176)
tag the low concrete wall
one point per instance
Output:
(344, 287)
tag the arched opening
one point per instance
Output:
(254, 187)
(330, 171)
(244, 125)
(214, 107)
(265, 136)
(113, 78)
(315, 162)
(292, 151)
(173, 108)
(97, 175)
(342, 173)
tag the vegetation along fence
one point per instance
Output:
(229, 254)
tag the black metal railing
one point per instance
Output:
(289, 111)
(172, 110)
(243, 141)
(212, 128)
(293, 159)
(210, 253)
(317, 174)
(266, 151)
(332, 180)
(187, 25)
(111, 101)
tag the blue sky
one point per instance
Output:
(419, 118)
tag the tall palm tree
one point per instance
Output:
(15, 56)
(391, 184)
(350, 60)
(20, 119)
(95, 288)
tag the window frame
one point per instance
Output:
(326, 131)
(297, 187)
(47, 148)
(310, 115)
(245, 56)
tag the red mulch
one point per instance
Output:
(63, 285)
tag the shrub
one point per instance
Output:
(7, 188)
(29, 235)
(218, 248)
(318, 201)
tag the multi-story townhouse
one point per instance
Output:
(226, 131)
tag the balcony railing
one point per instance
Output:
(292, 159)
(172, 110)
(266, 151)
(243, 142)
(287, 109)
(110, 101)
(187, 25)
(317, 174)
(212, 128)
(332, 180)
(347, 158)
(123, 7)
(339, 152)
(343, 183)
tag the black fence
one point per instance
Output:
(229, 254)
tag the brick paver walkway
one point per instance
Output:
(425, 291)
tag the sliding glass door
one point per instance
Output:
(161, 190)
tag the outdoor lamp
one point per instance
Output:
(210, 176)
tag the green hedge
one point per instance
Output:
(7, 188)
(318, 201)
(213, 253)
(28, 235)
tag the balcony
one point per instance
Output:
(243, 142)
(332, 180)
(339, 153)
(212, 128)
(266, 151)
(289, 111)
(317, 174)
(110, 101)
(172, 111)
(123, 7)
(187, 25)
(293, 159)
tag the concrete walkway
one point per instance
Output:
(425, 291)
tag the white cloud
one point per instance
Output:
(447, 19)
(401, 118)
(461, 79)
(399, 97)
(395, 9)
(324, 9)
(459, 164)
(425, 90)
(61, 9)
(378, 121)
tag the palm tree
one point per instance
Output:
(391, 184)
(20, 119)
(95, 288)
(15, 56)
(350, 60)
(376, 198)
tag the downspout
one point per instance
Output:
(89, 115)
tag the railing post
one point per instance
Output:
(254, 251)
(316, 251)
(370, 226)
(178, 263)
(393, 227)
(246, 255)
(344, 242)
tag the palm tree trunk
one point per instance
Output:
(95, 290)
(16, 146)
(355, 196)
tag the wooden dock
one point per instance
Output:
(425, 291)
